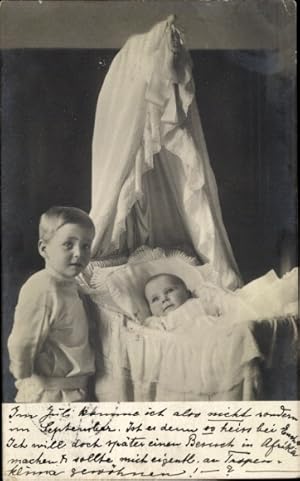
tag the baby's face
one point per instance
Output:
(165, 294)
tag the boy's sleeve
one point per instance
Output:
(30, 329)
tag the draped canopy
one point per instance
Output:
(152, 182)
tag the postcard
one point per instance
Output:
(150, 257)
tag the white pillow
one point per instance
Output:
(253, 288)
(126, 285)
(96, 272)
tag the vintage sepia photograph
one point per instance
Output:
(149, 201)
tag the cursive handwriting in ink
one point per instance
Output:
(264, 428)
(86, 444)
(228, 428)
(187, 413)
(93, 411)
(285, 432)
(244, 458)
(187, 459)
(284, 413)
(52, 429)
(169, 428)
(135, 442)
(51, 412)
(16, 412)
(152, 412)
(25, 471)
(12, 443)
(193, 442)
(112, 441)
(19, 430)
(40, 459)
(272, 444)
(93, 457)
(157, 443)
(236, 414)
(122, 473)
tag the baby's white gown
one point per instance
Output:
(206, 344)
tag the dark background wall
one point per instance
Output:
(48, 106)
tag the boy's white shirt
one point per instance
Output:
(50, 331)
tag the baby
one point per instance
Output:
(265, 297)
(50, 354)
(208, 350)
(211, 344)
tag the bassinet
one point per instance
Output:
(152, 185)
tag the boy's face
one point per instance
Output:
(69, 250)
(165, 294)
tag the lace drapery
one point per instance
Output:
(151, 177)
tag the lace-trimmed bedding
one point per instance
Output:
(131, 365)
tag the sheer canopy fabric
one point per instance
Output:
(152, 182)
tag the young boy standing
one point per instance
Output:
(50, 353)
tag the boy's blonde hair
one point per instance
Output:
(57, 216)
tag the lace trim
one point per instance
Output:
(146, 253)
(94, 275)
